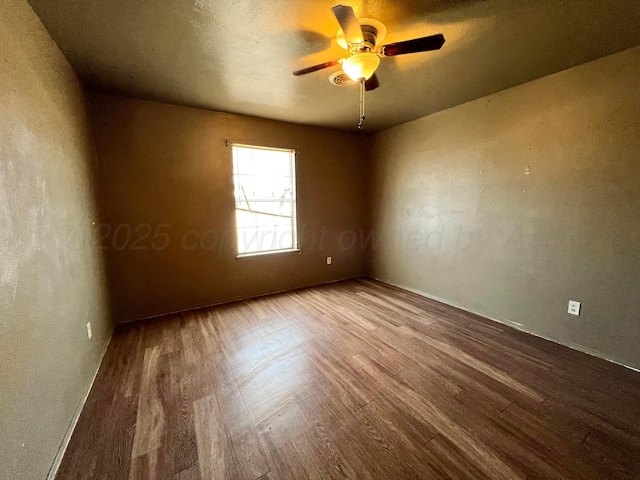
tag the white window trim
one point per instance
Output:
(293, 174)
(268, 253)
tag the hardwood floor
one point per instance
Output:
(351, 380)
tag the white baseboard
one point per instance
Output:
(509, 323)
(53, 471)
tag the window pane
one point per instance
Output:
(264, 192)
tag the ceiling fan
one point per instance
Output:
(362, 38)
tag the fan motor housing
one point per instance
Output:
(373, 33)
(369, 33)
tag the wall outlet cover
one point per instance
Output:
(574, 307)
(89, 330)
(328, 260)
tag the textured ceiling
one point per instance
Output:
(237, 56)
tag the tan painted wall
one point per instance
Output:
(168, 165)
(513, 204)
(49, 289)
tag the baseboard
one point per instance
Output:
(509, 323)
(53, 471)
(237, 299)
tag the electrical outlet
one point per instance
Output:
(574, 307)
(328, 260)
(89, 330)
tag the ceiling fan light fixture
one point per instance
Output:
(361, 65)
(362, 37)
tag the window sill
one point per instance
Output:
(270, 253)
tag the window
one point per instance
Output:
(265, 194)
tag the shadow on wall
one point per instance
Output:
(166, 183)
(189, 26)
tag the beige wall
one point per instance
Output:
(49, 287)
(513, 204)
(168, 165)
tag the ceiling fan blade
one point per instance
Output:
(424, 44)
(315, 68)
(372, 83)
(349, 23)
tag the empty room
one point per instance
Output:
(288, 239)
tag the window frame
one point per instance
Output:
(294, 186)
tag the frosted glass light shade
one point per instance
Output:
(361, 65)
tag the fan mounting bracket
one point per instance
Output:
(373, 32)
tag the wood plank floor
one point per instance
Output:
(351, 380)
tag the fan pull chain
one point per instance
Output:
(362, 89)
